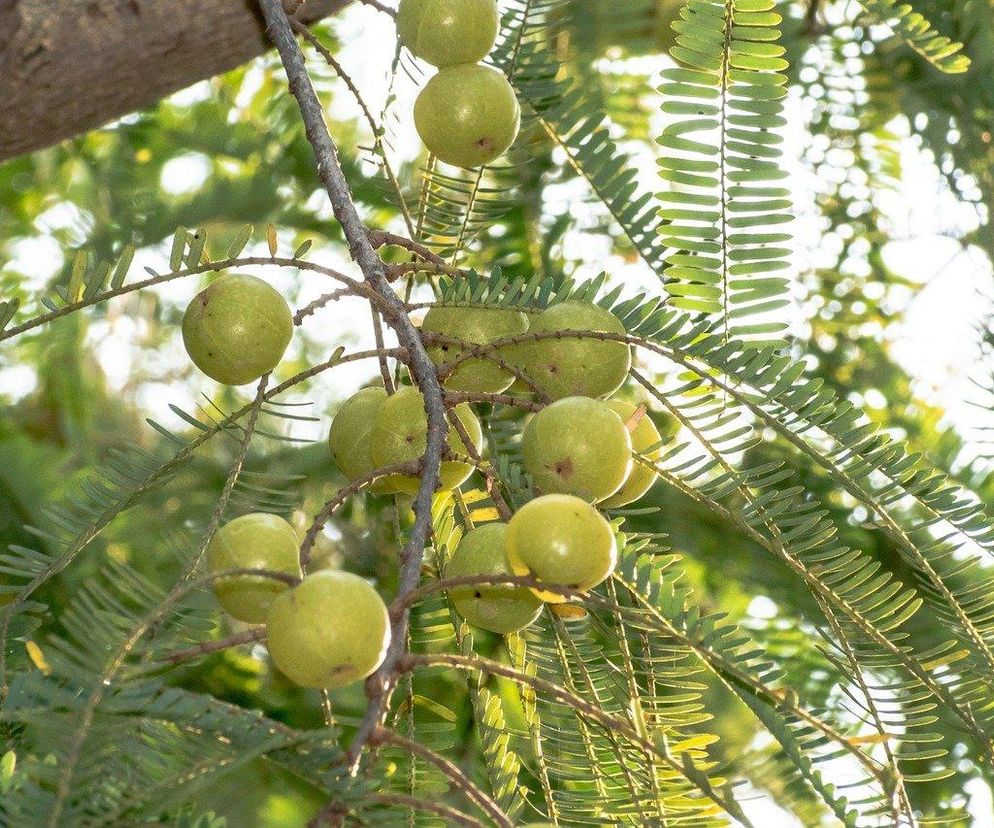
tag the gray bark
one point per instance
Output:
(69, 66)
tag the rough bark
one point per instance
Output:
(68, 66)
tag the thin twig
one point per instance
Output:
(383, 238)
(343, 494)
(317, 304)
(207, 647)
(374, 127)
(488, 351)
(493, 483)
(378, 338)
(380, 7)
(401, 269)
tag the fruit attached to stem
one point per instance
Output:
(575, 366)
(500, 609)
(253, 541)
(237, 329)
(577, 446)
(467, 115)
(645, 436)
(331, 630)
(400, 435)
(477, 326)
(448, 32)
(561, 540)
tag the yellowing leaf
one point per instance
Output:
(474, 496)
(698, 742)
(870, 739)
(271, 238)
(38, 658)
(568, 612)
(75, 291)
(633, 422)
(946, 659)
(439, 710)
(484, 515)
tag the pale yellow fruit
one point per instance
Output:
(331, 630)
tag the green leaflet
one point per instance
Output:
(912, 27)
(720, 158)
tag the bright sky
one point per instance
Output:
(933, 344)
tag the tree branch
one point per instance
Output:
(69, 67)
(379, 686)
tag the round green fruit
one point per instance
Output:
(467, 115)
(448, 32)
(255, 541)
(577, 446)
(331, 630)
(561, 540)
(580, 367)
(400, 434)
(237, 329)
(350, 435)
(478, 326)
(500, 609)
(644, 435)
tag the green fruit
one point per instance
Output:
(560, 540)
(500, 609)
(350, 434)
(400, 434)
(467, 115)
(255, 541)
(448, 32)
(577, 446)
(645, 435)
(478, 326)
(331, 630)
(236, 329)
(575, 367)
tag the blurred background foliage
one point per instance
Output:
(231, 151)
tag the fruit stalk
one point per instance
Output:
(380, 685)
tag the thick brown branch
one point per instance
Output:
(69, 67)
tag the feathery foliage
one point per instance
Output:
(801, 612)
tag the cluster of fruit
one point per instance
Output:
(327, 630)
(331, 628)
(467, 114)
(578, 450)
